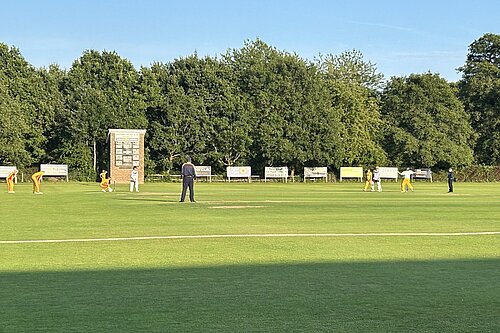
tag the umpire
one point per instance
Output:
(451, 179)
(188, 173)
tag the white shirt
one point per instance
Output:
(407, 173)
(134, 176)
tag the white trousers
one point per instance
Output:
(134, 184)
(379, 185)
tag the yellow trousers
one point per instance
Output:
(368, 183)
(404, 183)
(10, 184)
(36, 183)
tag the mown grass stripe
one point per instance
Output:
(392, 234)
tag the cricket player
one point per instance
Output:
(377, 180)
(10, 181)
(406, 180)
(134, 180)
(37, 179)
(369, 180)
(105, 181)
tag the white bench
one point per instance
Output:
(55, 170)
(5, 170)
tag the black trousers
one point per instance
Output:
(450, 185)
(188, 181)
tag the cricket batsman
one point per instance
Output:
(134, 180)
(377, 180)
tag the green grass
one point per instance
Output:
(250, 284)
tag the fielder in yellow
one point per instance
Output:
(105, 181)
(10, 181)
(406, 180)
(37, 179)
(369, 180)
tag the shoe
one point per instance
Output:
(11, 192)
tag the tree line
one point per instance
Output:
(255, 106)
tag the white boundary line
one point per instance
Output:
(116, 239)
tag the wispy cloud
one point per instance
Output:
(430, 55)
(385, 26)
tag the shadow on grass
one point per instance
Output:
(434, 296)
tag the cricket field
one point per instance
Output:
(250, 257)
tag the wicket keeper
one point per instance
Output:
(105, 181)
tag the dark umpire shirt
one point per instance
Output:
(188, 170)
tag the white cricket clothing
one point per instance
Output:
(377, 180)
(134, 176)
(407, 174)
(134, 181)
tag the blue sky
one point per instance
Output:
(400, 37)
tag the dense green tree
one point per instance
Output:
(26, 109)
(480, 92)
(350, 67)
(15, 127)
(101, 91)
(293, 123)
(255, 105)
(230, 124)
(51, 80)
(256, 67)
(353, 85)
(427, 125)
(176, 112)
